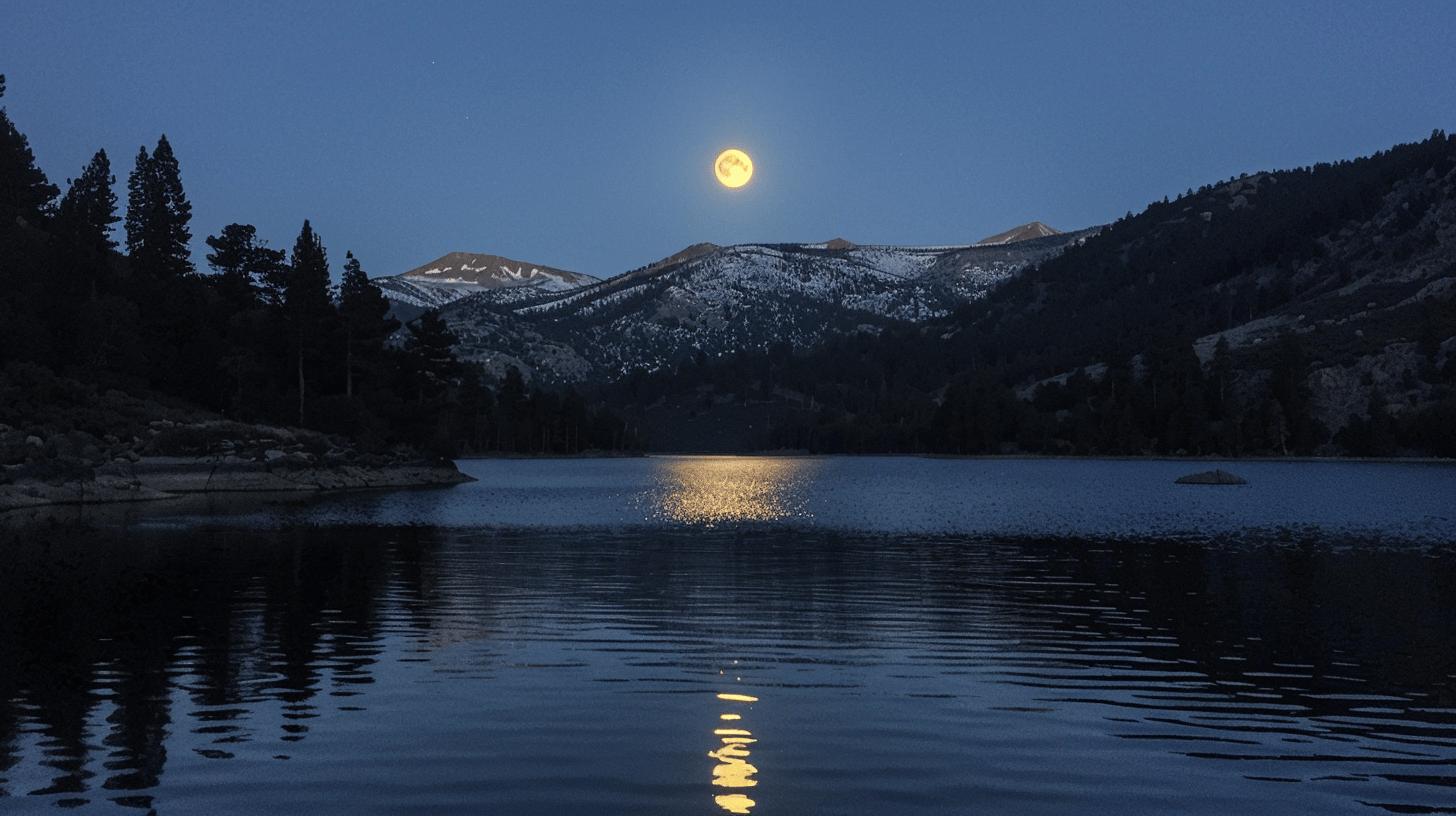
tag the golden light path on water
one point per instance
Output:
(711, 490)
(734, 772)
(714, 490)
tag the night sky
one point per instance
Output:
(582, 135)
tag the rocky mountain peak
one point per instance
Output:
(1025, 232)
(485, 270)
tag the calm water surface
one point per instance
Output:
(747, 635)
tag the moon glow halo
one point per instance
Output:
(733, 168)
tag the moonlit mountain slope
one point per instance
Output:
(458, 274)
(714, 300)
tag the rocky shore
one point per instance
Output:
(169, 458)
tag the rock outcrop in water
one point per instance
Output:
(1211, 477)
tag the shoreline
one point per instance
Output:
(160, 478)
(1409, 460)
(484, 457)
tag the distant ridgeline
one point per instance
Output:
(1309, 311)
(265, 338)
(707, 301)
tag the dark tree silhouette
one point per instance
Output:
(88, 209)
(308, 307)
(24, 190)
(158, 215)
(365, 314)
(431, 352)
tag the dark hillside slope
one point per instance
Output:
(1300, 311)
(1336, 236)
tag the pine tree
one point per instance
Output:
(246, 267)
(307, 305)
(511, 408)
(24, 190)
(83, 223)
(248, 278)
(431, 348)
(365, 313)
(158, 237)
(1286, 385)
(177, 249)
(306, 290)
(231, 261)
(232, 249)
(436, 377)
(270, 271)
(88, 209)
(141, 197)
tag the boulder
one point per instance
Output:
(1210, 477)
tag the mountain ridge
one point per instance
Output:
(456, 275)
(713, 300)
(1024, 232)
(489, 270)
(1304, 311)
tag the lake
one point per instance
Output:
(747, 635)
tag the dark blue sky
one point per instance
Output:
(581, 135)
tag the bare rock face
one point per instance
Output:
(1025, 232)
(490, 271)
(1211, 477)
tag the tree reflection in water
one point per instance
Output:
(130, 657)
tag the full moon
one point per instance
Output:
(733, 167)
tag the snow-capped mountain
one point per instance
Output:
(458, 274)
(1025, 232)
(717, 300)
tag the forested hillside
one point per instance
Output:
(260, 335)
(1305, 311)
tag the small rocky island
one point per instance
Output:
(1211, 477)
